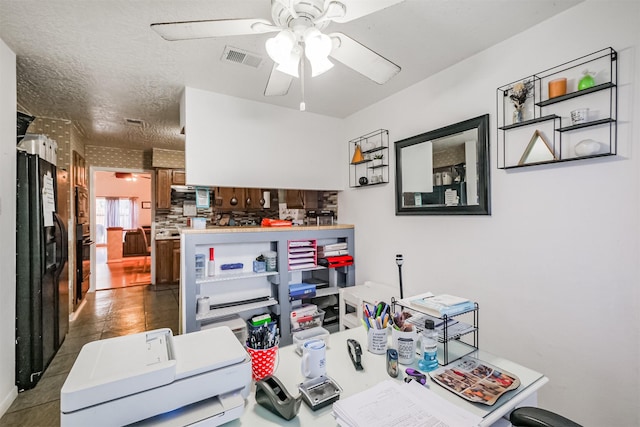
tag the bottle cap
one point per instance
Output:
(211, 257)
(428, 324)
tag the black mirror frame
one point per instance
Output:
(484, 197)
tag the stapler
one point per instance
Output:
(355, 352)
(272, 394)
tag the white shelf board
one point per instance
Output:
(234, 309)
(331, 290)
(235, 276)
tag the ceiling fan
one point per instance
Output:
(299, 24)
(128, 176)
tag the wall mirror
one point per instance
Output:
(445, 171)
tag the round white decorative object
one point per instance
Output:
(588, 147)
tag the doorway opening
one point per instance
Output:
(123, 215)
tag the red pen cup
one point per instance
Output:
(263, 361)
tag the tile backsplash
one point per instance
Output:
(172, 220)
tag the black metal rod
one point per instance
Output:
(400, 261)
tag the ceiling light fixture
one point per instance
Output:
(317, 47)
(285, 49)
(127, 176)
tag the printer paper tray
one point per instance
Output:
(209, 412)
(161, 400)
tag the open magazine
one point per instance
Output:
(475, 380)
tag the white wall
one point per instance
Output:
(555, 268)
(232, 142)
(8, 390)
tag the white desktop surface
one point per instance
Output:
(340, 368)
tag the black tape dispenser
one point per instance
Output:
(271, 394)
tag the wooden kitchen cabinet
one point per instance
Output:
(252, 198)
(165, 178)
(163, 188)
(164, 261)
(176, 261)
(225, 194)
(178, 177)
(302, 199)
(167, 261)
(248, 198)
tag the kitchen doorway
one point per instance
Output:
(122, 216)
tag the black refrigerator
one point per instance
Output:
(42, 300)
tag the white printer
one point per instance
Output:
(155, 378)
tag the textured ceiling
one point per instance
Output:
(97, 62)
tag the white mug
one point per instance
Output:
(314, 362)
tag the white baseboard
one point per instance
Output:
(8, 400)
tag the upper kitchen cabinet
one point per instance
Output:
(178, 177)
(79, 170)
(252, 197)
(165, 178)
(231, 198)
(163, 188)
(302, 199)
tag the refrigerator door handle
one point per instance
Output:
(62, 243)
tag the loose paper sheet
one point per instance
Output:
(391, 403)
(48, 200)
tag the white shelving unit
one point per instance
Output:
(244, 292)
(352, 300)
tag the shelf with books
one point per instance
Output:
(455, 319)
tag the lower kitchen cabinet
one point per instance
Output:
(175, 272)
(167, 268)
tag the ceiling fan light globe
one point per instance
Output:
(316, 44)
(279, 48)
(290, 65)
(320, 65)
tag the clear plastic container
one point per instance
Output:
(310, 334)
(271, 258)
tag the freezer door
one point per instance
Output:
(38, 257)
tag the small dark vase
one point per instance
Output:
(363, 180)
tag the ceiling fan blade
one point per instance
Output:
(358, 8)
(362, 59)
(188, 30)
(278, 84)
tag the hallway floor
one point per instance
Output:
(104, 314)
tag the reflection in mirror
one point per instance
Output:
(538, 150)
(445, 171)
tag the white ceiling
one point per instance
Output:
(97, 62)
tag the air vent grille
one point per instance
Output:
(134, 122)
(240, 56)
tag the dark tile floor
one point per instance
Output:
(105, 314)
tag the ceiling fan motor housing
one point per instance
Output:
(307, 12)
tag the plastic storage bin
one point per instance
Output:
(300, 337)
(307, 321)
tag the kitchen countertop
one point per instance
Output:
(168, 237)
(253, 229)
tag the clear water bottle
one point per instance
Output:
(429, 342)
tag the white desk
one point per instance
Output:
(340, 368)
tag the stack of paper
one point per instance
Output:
(392, 403)
(441, 305)
(335, 249)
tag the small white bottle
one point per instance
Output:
(429, 343)
(211, 266)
